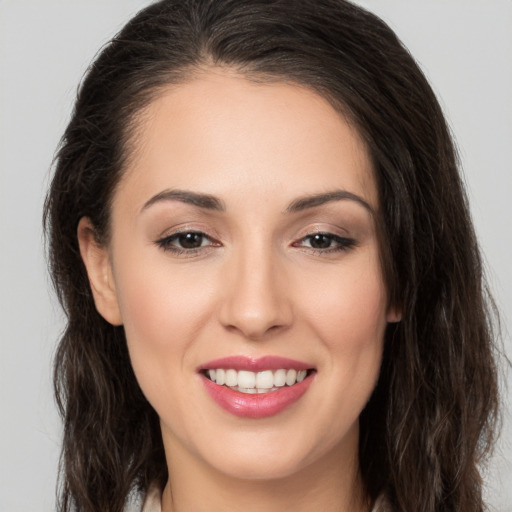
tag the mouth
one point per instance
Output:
(256, 388)
(267, 381)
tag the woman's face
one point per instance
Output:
(244, 239)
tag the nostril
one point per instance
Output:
(255, 330)
(255, 301)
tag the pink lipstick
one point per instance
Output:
(256, 388)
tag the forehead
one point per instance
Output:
(220, 132)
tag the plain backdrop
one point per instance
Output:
(464, 47)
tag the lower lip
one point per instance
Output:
(262, 405)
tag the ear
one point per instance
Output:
(394, 314)
(99, 270)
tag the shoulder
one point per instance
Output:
(149, 502)
(153, 502)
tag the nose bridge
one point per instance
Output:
(256, 300)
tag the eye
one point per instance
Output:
(325, 242)
(186, 242)
(191, 240)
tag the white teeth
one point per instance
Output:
(246, 379)
(280, 378)
(231, 378)
(301, 375)
(220, 376)
(291, 377)
(265, 379)
(252, 382)
(251, 391)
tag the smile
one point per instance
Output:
(249, 382)
(256, 388)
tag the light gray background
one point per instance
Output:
(465, 48)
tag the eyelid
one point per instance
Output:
(343, 242)
(340, 239)
(322, 229)
(165, 242)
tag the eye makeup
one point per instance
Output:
(325, 242)
(329, 228)
(188, 242)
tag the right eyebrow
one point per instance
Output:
(303, 203)
(205, 201)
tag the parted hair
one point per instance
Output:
(431, 420)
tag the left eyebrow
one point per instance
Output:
(303, 203)
(205, 201)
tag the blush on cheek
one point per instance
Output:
(163, 315)
(155, 306)
(354, 315)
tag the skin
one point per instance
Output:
(255, 287)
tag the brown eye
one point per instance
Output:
(190, 240)
(325, 243)
(186, 242)
(320, 241)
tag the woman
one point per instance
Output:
(274, 292)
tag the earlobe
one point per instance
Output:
(394, 315)
(99, 270)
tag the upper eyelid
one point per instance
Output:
(176, 234)
(185, 231)
(335, 232)
(324, 230)
(327, 234)
(170, 232)
(167, 244)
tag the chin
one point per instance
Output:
(261, 468)
(270, 455)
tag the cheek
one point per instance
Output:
(348, 308)
(162, 310)
(347, 314)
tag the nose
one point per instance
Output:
(257, 298)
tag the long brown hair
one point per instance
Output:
(431, 419)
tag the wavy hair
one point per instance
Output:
(431, 420)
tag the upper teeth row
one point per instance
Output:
(261, 380)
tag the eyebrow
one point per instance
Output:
(210, 202)
(205, 201)
(311, 201)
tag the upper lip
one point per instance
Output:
(255, 364)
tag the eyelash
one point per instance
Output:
(342, 243)
(166, 243)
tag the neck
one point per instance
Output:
(331, 484)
